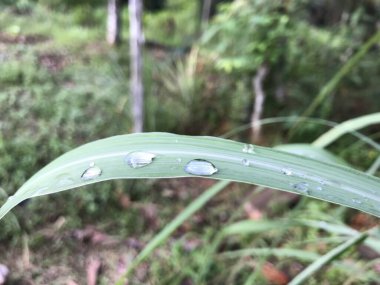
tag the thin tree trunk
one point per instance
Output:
(206, 10)
(113, 22)
(136, 41)
(257, 84)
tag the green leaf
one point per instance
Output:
(169, 154)
(254, 227)
(277, 252)
(311, 151)
(346, 127)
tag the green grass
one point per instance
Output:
(228, 246)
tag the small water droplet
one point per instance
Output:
(11, 197)
(92, 164)
(40, 191)
(179, 160)
(200, 167)
(356, 201)
(91, 173)
(302, 187)
(286, 171)
(65, 180)
(248, 148)
(319, 188)
(139, 159)
(245, 162)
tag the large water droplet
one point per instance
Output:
(286, 171)
(139, 159)
(91, 173)
(301, 187)
(248, 148)
(200, 167)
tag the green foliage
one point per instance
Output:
(176, 23)
(301, 54)
(61, 86)
(257, 32)
(188, 87)
(47, 107)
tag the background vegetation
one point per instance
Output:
(61, 85)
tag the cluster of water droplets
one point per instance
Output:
(302, 186)
(249, 148)
(356, 201)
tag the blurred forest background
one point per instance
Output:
(65, 82)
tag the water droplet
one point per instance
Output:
(200, 167)
(302, 187)
(356, 201)
(11, 197)
(92, 164)
(40, 191)
(139, 159)
(65, 180)
(286, 171)
(91, 173)
(179, 160)
(319, 188)
(245, 162)
(248, 148)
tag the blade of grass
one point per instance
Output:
(374, 167)
(335, 80)
(243, 226)
(44, 171)
(264, 166)
(345, 127)
(276, 120)
(327, 258)
(197, 204)
(253, 227)
(309, 150)
(277, 252)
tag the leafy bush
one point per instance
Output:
(48, 106)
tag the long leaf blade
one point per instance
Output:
(261, 166)
(346, 127)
